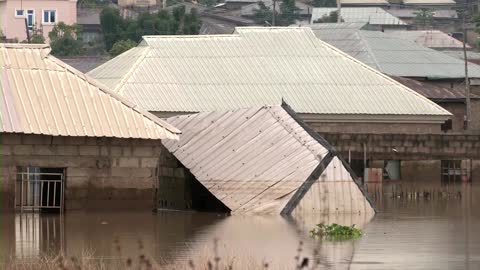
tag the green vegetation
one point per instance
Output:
(37, 36)
(115, 28)
(330, 18)
(424, 17)
(121, 46)
(66, 40)
(336, 232)
(323, 3)
(287, 15)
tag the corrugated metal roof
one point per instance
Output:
(260, 66)
(249, 10)
(370, 15)
(84, 63)
(428, 38)
(393, 55)
(412, 13)
(365, 2)
(430, 2)
(252, 160)
(433, 91)
(42, 95)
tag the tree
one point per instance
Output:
(263, 14)
(112, 25)
(37, 36)
(424, 17)
(66, 40)
(324, 3)
(288, 12)
(122, 46)
(115, 28)
(330, 18)
(287, 15)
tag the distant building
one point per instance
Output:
(433, 39)
(452, 100)
(89, 20)
(364, 3)
(137, 3)
(394, 55)
(429, 3)
(375, 17)
(443, 18)
(17, 17)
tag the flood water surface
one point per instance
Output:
(410, 232)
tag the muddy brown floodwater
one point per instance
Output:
(439, 229)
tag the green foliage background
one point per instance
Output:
(115, 28)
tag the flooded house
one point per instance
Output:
(365, 114)
(67, 142)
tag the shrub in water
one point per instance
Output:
(336, 232)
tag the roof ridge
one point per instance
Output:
(120, 85)
(24, 45)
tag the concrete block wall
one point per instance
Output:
(406, 147)
(100, 172)
(375, 128)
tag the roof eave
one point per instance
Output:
(375, 118)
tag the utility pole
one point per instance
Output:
(339, 9)
(467, 80)
(274, 11)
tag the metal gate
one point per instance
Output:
(37, 190)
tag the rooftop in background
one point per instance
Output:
(43, 95)
(364, 3)
(434, 39)
(411, 13)
(392, 55)
(472, 56)
(258, 66)
(435, 92)
(370, 15)
(256, 160)
(84, 63)
(429, 2)
(249, 10)
(88, 16)
(188, 7)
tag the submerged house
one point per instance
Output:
(67, 142)
(262, 160)
(343, 99)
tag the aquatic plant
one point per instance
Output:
(336, 232)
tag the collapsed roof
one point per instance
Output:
(265, 161)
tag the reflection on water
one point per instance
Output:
(410, 232)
